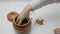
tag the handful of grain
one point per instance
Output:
(39, 21)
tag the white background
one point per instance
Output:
(49, 13)
(15, 0)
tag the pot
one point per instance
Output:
(22, 27)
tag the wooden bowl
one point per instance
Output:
(22, 28)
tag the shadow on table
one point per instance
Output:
(18, 32)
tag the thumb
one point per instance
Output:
(20, 21)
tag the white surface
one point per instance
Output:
(50, 13)
(14, 0)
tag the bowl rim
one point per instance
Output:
(20, 25)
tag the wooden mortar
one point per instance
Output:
(22, 27)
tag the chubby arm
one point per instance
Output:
(25, 13)
(33, 5)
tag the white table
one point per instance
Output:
(49, 13)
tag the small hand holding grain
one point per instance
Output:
(22, 16)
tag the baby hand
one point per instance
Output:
(57, 31)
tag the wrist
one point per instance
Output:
(28, 8)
